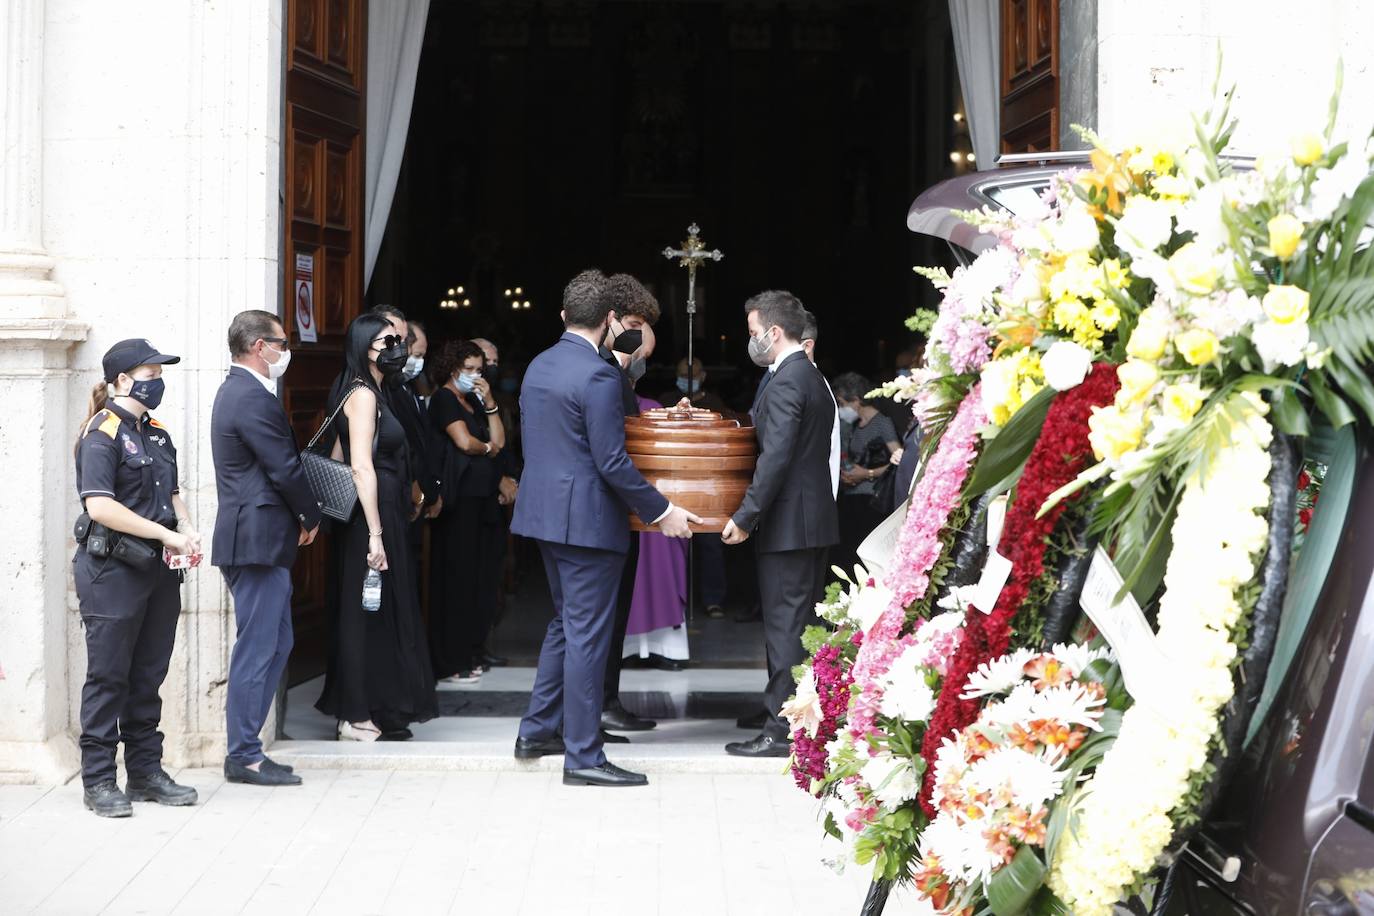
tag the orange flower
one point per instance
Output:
(1047, 671)
(1109, 174)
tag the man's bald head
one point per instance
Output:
(488, 350)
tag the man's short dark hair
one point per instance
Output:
(248, 328)
(781, 308)
(810, 329)
(630, 297)
(851, 386)
(585, 303)
(391, 312)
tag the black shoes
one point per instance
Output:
(530, 748)
(761, 746)
(608, 775)
(267, 774)
(159, 787)
(105, 799)
(617, 718)
(266, 761)
(608, 738)
(396, 734)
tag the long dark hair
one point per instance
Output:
(357, 367)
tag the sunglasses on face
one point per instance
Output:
(390, 340)
(278, 342)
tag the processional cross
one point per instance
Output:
(690, 256)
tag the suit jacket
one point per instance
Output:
(264, 497)
(425, 468)
(790, 503)
(578, 484)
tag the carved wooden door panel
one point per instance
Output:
(322, 263)
(1030, 75)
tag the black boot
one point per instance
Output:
(159, 787)
(105, 799)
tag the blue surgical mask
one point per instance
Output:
(148, 392)
(466, 383)
(686, 385)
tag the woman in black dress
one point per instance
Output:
(378, 679)
(470, 534)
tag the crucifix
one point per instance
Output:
(690, 256)
(692, 253)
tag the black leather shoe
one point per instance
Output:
(754, 721)
(105, 799)
(619, 719)
(608, 775)
(159, 787)
(266, 761)
(663, 663)
(530, 748)
(761, 746)
(263, 776)
(608, 738)
(397, 734)
(487, 660)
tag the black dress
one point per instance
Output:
(469, 544)
(378, 666)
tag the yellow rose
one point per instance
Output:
(1137, 377)
(1113, 432)
(1148, 339)
(1194, 268)
(1197, 346)
(1307, 149)
(1285, 232)
(1182, 400)
(1286, 304)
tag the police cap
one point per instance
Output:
(131, 353)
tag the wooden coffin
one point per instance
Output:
(698, 459)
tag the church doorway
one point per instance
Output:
(547, 137)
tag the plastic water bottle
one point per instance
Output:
(372, 591)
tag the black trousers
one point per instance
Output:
(130, 619)
(624, 598)
(788, 581)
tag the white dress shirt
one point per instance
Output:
(834, 426)
(269, 384)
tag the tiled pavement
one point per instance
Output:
(417, 842)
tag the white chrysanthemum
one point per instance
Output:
(906, 695)
(963, 852)
(892, 779)
(1071, 705)
(1031, 779)
(989, 272)
(1017, 708)
(999, 675)
(1078, 656)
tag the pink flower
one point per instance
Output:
(918, 547)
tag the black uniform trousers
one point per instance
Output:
(788, 581)
(130, 619)
(624, 598)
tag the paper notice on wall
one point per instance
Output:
(1144, 666)
(305, 298)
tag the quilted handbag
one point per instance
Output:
(331, 481)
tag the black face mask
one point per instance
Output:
(628, 341)
(393, 359)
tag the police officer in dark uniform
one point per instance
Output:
(126, 475)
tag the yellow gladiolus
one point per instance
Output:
(1286, 304)
(1285, 232)
(1137, 377)
(1197, 346)
(1182, 400)
(1307, 149)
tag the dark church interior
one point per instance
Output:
(547, 137)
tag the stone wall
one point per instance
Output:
(157, 182)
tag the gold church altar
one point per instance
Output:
(698, 459)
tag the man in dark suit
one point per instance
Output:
(789, 508)
(266, 511)
(575, 493)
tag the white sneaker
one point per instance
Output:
(462, 677)
(362, 731)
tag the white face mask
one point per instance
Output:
(278, 369)
(849, 414)
(414, 366)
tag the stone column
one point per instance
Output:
(36, 334)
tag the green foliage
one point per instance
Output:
(1012, 445)
(1011, 890)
